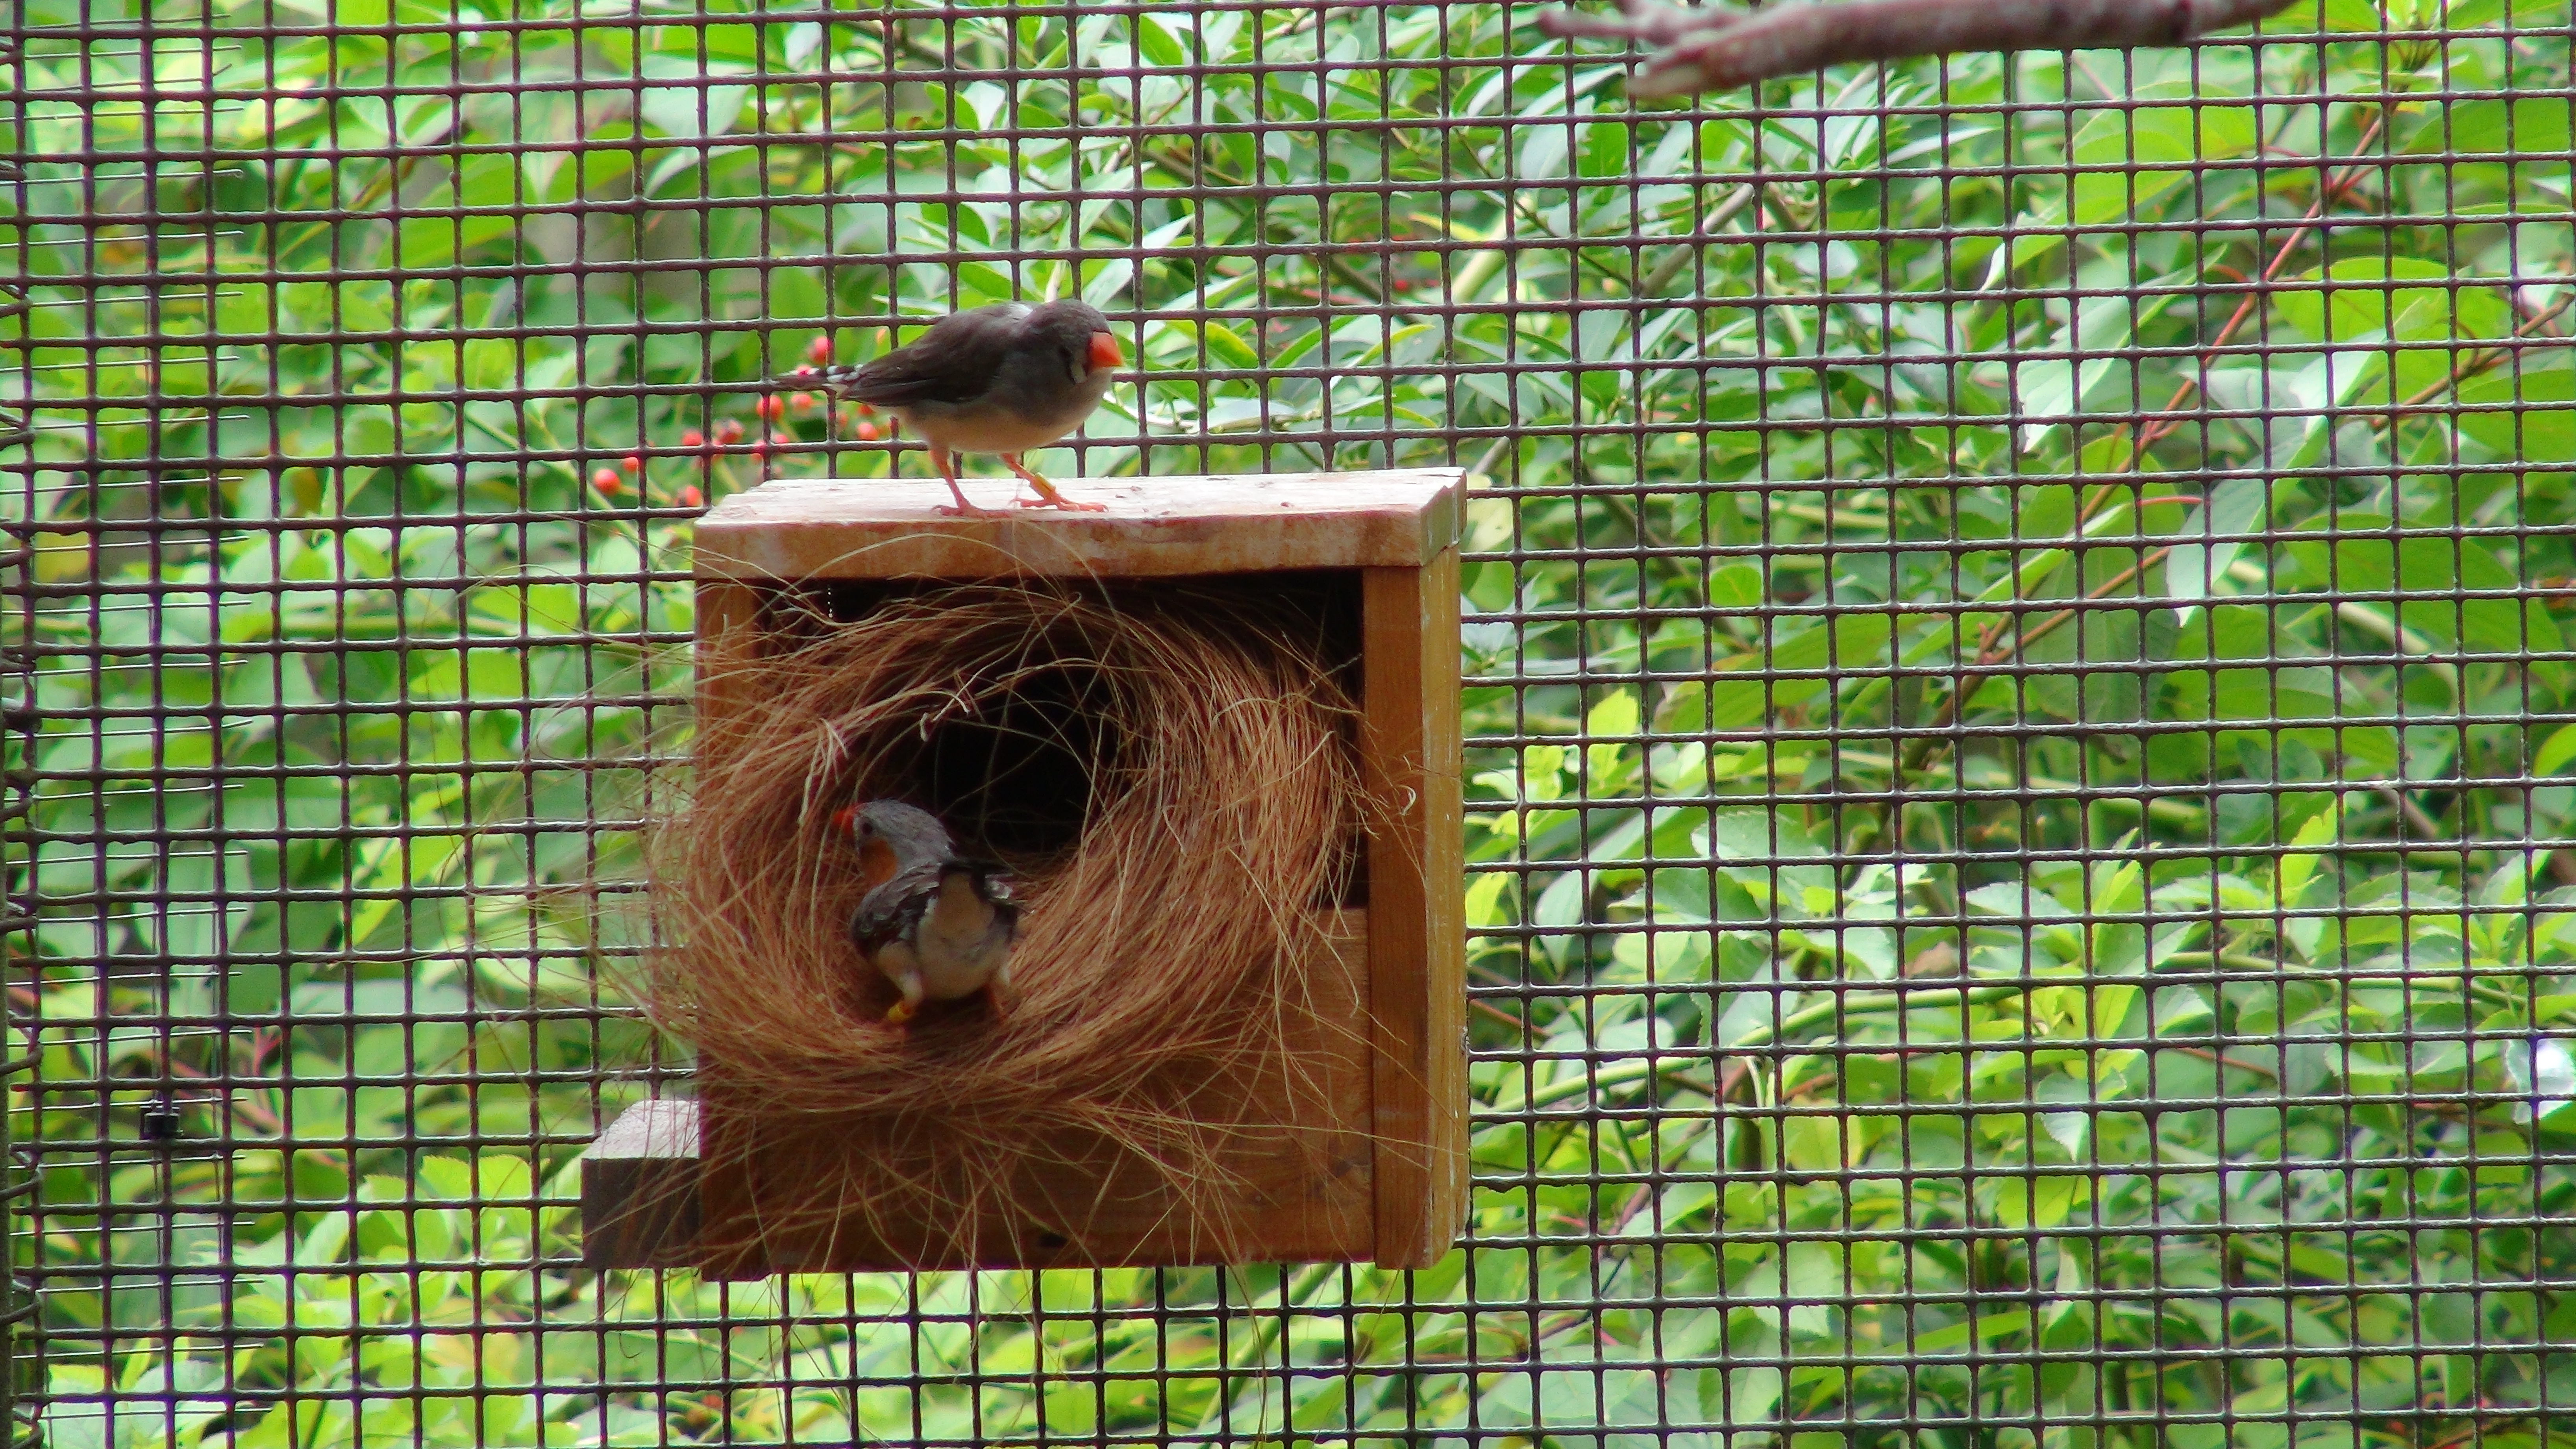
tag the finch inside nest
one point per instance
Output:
(1171, 783)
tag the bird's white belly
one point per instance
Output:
(957, 962)
(983, 432)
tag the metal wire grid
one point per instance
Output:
(2016, 703)
(17, 719)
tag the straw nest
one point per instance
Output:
(1172, 785)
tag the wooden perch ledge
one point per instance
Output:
(1707, 50)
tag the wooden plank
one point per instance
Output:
(1444, 834)
(728, 646)
(639, 1189)
(1412, 758)
(856, 528)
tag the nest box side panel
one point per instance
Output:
(1412, 757)
(728, 646)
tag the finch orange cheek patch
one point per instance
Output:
(1208, 739)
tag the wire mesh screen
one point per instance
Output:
(2018, 702)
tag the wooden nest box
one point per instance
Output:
(1364, 1160)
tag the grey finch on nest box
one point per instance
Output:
(938, 926)
(1000, 379)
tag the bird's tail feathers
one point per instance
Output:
(836, 379)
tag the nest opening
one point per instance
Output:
(1015, 780)
(1171, 773)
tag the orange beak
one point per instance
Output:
(845, 818)
(1104, 351)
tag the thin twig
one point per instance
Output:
(2425, 826)
(2149, 560)
(2334, 189)
(243, 1107)
(2473, 363)
(2224, 1060)
(1994, 649)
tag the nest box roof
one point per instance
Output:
(861, 528)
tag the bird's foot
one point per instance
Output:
(1052, 499)
(964, 507)
(1048, 496)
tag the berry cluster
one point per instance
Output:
(854, 416)
(711, 451)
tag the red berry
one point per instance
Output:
(632, 463)
(867, 432)
(769, 407)
(819, 351)
(693, 439)
(605, 480)
(802, 402)
(690, 497)
(728, 432)
(863, 410)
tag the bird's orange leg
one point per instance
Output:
(947, 462)
(1047, 497)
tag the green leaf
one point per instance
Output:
(2525, 126)
(1735, 586)
(2233, 511)
(2299, 864)
(2555, 752)
(1157, 43)
(2150, 152)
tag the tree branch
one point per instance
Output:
(1715, 50)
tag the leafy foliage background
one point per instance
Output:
(2019, 702)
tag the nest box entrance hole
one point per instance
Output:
(1015, 776)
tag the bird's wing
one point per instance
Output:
(884, 912)
(993, 884)
(956, 361)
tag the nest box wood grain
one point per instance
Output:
(1354, 1151)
